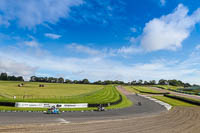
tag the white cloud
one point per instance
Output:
(162, 2)
(126, 50)
(30, 13)
(165, 33)
(133, 29)
(82, 49)
(99, 68)
(32, 43)
(13, 67)
(198, 47)
(52, 36)
(168, 32)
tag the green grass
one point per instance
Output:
(125, 103)
(131, 89)
(141, 89)
(105, 95)
(168, 87)
(172, 102)
(71, 93)
(9, 89)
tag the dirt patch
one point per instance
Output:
(124, 91)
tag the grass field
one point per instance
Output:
(168, 87)
(172, 102)
(140, 89)
(10, 89)
(103, 94)
(59, 93)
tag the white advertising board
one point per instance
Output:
(48, 105)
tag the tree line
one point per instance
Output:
(173, 82)
(5, 77)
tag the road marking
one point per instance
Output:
(63, 121)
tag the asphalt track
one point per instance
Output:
(148, 108)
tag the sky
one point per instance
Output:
(101, 39)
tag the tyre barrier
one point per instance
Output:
(183, 99)
(10, 104)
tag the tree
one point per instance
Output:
(140, 82)
(175, 82)
(4, 76)
(146, 82)
(85, 81)
(60, 80)
(99, 82)
(20, 78)
(152, 82)
(68, 81)
(187, 85)
(75, 82)
(163, 82)
(134, 82)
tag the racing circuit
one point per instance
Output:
(150, 117)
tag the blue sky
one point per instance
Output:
(101, 39)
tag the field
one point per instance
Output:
(59, 93)
(172, 102)
(141, 89)
(168, 87)
(10, 89)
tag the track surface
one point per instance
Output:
(148, 107)
(148, 118)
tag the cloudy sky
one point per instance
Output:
(101, 39)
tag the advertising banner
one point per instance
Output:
(48, 105)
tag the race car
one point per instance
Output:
(53, 110)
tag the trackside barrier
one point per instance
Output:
(107, 104)
(183, 99)
(48, 105)
(7, 104)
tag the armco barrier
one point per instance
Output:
(183, 99)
